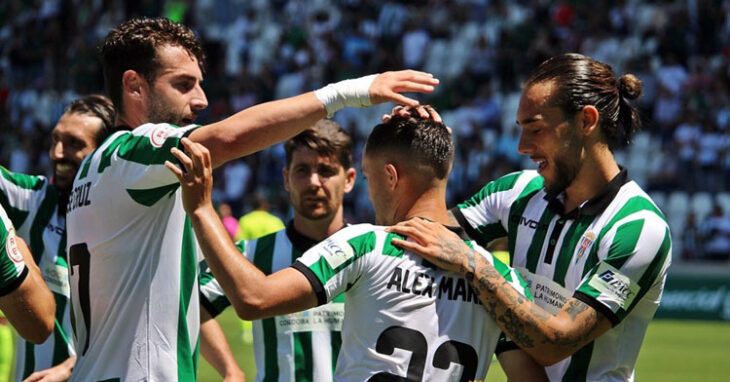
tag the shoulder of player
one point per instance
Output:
(9, 179)
(631, 204)
(507, 188)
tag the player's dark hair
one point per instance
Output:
(581, 81)
(133, 46)
(327, 138)
(415, 140)
(96, 106)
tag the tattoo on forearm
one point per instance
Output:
(575, 308)
(520, 318)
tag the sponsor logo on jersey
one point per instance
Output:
(159, 135)
(585, 243)
(527, 222)
(614, 285)
(548, 294)
(336, 253)
(11, 247)
(56, 277)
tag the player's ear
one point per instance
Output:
(392, 176)
(350, 176)
(588, 119)
(132, 84)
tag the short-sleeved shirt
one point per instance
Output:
(300, 346)
(32, 203)
(612, 253)
(12, 267)
(404, 318)
(133, 260)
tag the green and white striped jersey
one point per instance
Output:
(32, 204)
(612, 252)
(12, 267)
(295, 347)
(404, 319)
(133, 261)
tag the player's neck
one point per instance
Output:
(430, 205)
(131, 119)
(319, 229)
(599, 169)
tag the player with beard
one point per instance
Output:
(132, 252)
(317, 175)
(592, 245)
(404, 319)
(37, 207)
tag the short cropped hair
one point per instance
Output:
(415, 140)
(327, 138)
(133, 46)
(96, 106)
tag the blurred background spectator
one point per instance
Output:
(260, 50)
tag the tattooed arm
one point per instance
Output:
(546, 337)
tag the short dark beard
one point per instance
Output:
(566, 162)
(158, 112)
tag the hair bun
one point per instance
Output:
(629, 86)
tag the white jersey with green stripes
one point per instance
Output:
(12, 267)
(296, 347)
(133, 261)
(32, 205)
(612, 253)
(404, 319)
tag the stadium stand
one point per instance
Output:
(480, 49)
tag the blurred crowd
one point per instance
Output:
(481, 50)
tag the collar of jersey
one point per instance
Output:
(300, 242)
(453, 228)
(594, 205)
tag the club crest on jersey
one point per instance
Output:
(336, 253)
(11, 247)
(585, 243)
(159, 135)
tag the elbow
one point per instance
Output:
(41, 333)
(250, 309)
(546, 360)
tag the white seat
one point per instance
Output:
(677, 204)
(723, 199)
(701, 204)
(660, 199)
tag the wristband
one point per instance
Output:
(346, 93)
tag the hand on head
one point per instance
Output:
(386, 87)
(424, 111)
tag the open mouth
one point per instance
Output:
(541, 164)
(64, 169)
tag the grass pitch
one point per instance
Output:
(672, 351)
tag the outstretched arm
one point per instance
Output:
(253, 294)
(31, 307)
(262, 125)
(215, 349)
(546, 337)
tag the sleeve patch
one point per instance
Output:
(159, 135)
(11, 247)
(614, 285)
(336, 253)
